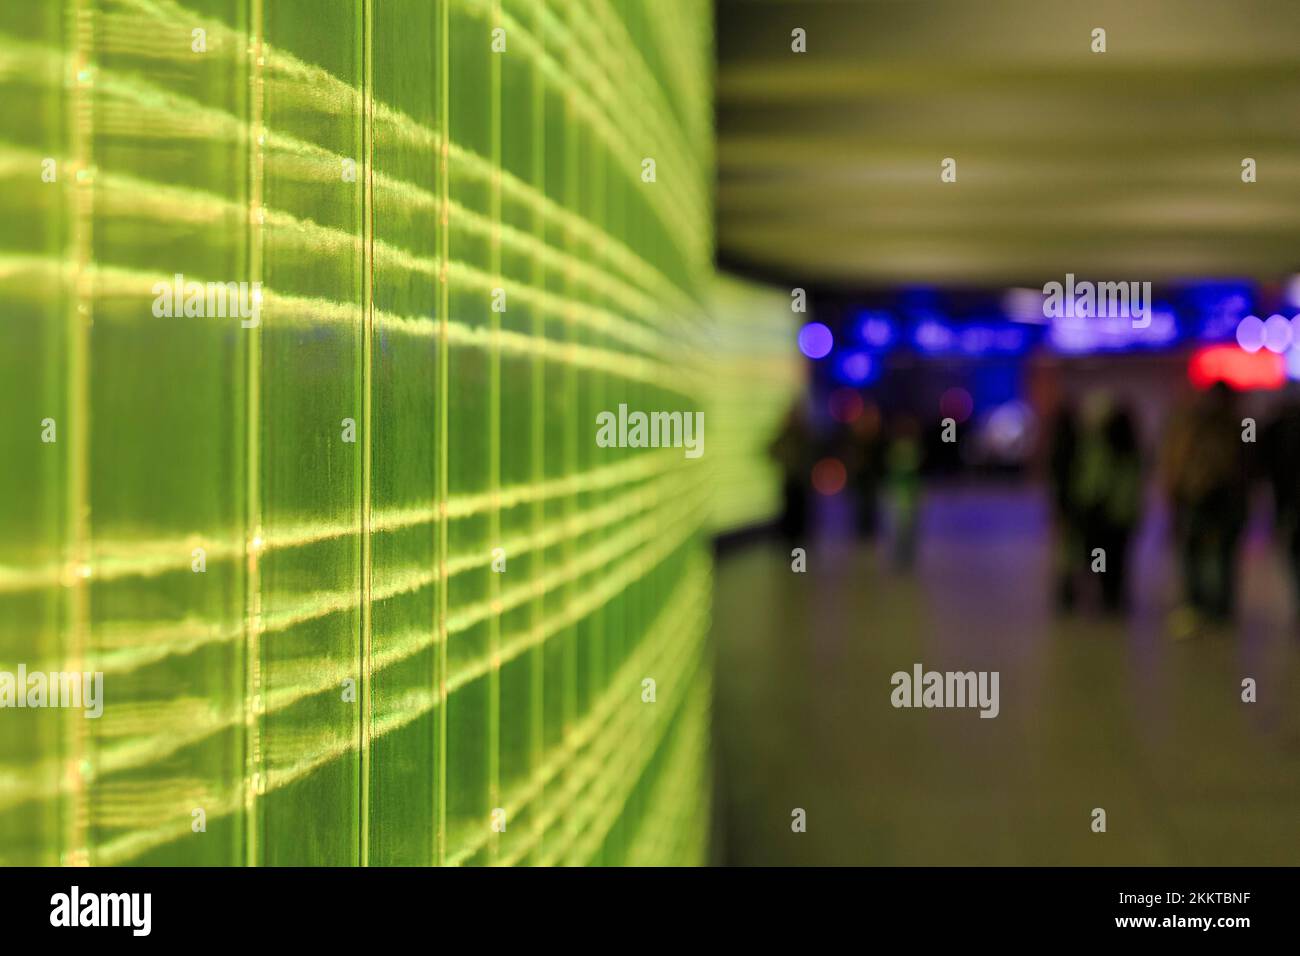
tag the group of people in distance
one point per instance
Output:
(1209, 462)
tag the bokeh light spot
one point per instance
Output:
(815, 340)
(957, 404)
(856, 367)
(1250, 333)
(829, 476)
(845, 405)
(1277, 334)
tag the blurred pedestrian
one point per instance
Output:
(1281, 443)
(1205, 479)
(903, 478)
(792, 450)
(1108, 496)
(865, 457)
(1062, 462)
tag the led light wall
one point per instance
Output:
(307, 313)
(756, 379)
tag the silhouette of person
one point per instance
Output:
(903, 477)
(1206, 481)
(792, 450)
(1062, 463)
(1281, 444)
(1108, 495)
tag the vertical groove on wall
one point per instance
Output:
(537, 719)
(78, 567)
(367, 332)
(571, 335)
(442, 523)
(254, 540)
(494, 443)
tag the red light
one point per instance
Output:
(829, 476)
(845, 405)
(1236, 368)
(957, 404)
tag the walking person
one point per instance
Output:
(1206, 481)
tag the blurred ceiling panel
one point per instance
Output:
(1123, 164)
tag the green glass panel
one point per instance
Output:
(305, 330)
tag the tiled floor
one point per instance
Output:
(1094, 712)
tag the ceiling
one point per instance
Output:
(1117, 165)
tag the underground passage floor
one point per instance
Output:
(1094, 712)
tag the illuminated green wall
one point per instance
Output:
(754, 383)
(331, 564)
